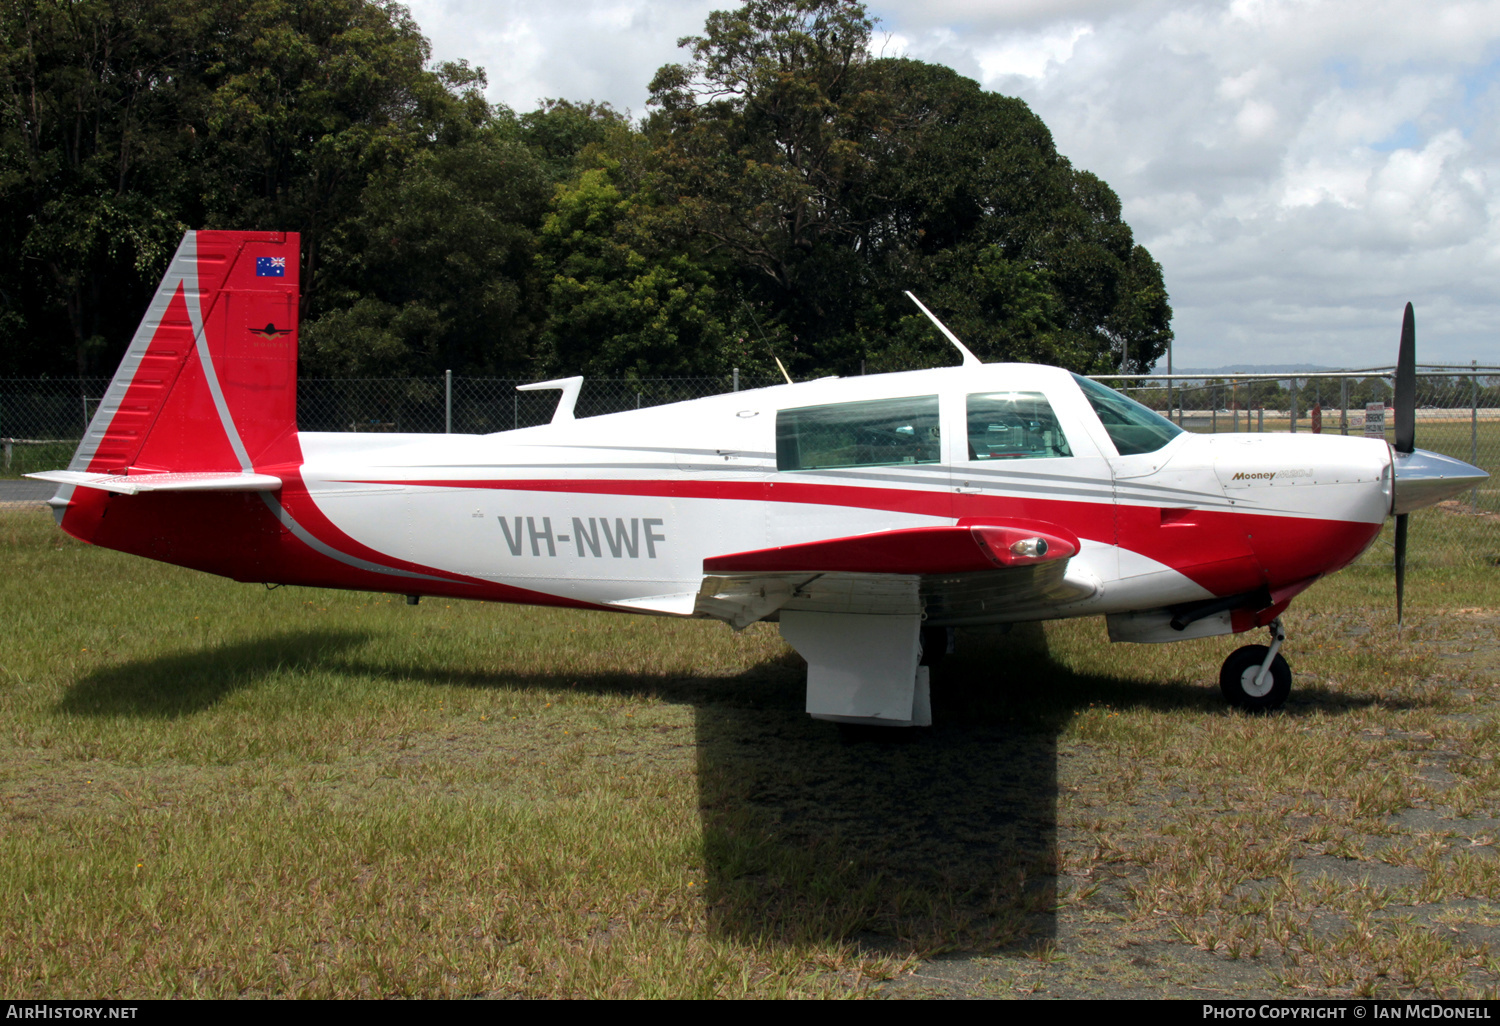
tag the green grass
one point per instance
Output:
(211, 789)
(29, 459)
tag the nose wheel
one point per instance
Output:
(1256, 678)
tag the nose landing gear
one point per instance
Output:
(1256, 678)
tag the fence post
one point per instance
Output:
(1292, 406)
(448, 402)
(1343, 406)
(736, 379)
(1260, 419)
(515, 411)
(1473, 430)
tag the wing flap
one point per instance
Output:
(741, 599)
(970, 572)
(679, 604)
(987, 596)
(1005, 596)
(134, 484)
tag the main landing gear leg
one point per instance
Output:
(862, 669)
(1256, 678)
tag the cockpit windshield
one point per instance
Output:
(1132, 427)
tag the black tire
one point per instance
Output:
(1238, 675)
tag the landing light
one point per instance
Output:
(1036, 547)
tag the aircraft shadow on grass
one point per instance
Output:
(193, 681)
(891, 839)
(888, 839)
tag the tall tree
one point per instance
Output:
(623, 297)
(305, 100)
(124, 122)
(93, 187)
(831, 181)
(434, 271)
(757, 141)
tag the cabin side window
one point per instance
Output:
(1014, 426)
(877, 433)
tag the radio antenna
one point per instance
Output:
(970, 360)
(764, 341)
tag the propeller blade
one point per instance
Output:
(1406, 432)
(1406, 384)
(1400, 563)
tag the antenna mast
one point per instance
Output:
(970, 360)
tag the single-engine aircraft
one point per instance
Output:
(867, 515)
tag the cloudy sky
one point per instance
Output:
(1300, 168)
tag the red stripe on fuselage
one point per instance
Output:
(235, 535)
(1225, 552)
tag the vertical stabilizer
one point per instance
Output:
(209, 382)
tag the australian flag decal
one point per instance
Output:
(270, 267)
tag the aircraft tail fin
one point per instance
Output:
(209, 383)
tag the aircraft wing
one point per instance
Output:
(969, 573)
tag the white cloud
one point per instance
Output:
(1033, 54)
(1300, 168)
(582, 50)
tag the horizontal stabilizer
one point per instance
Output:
(136, 483)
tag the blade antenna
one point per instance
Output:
(970, 360)
(1406, 433)
(756, 321)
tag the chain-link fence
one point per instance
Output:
(481, 405)
(1458, 410)
(1458, 414)
(41, 421)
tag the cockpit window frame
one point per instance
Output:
(1133, 429)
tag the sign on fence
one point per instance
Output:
(1374, 420)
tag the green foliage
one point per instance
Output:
(832, 182)
(784, 192)
(432, 272)
(619, 303)
(559, 131)
(124, 123)
(91, 179)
